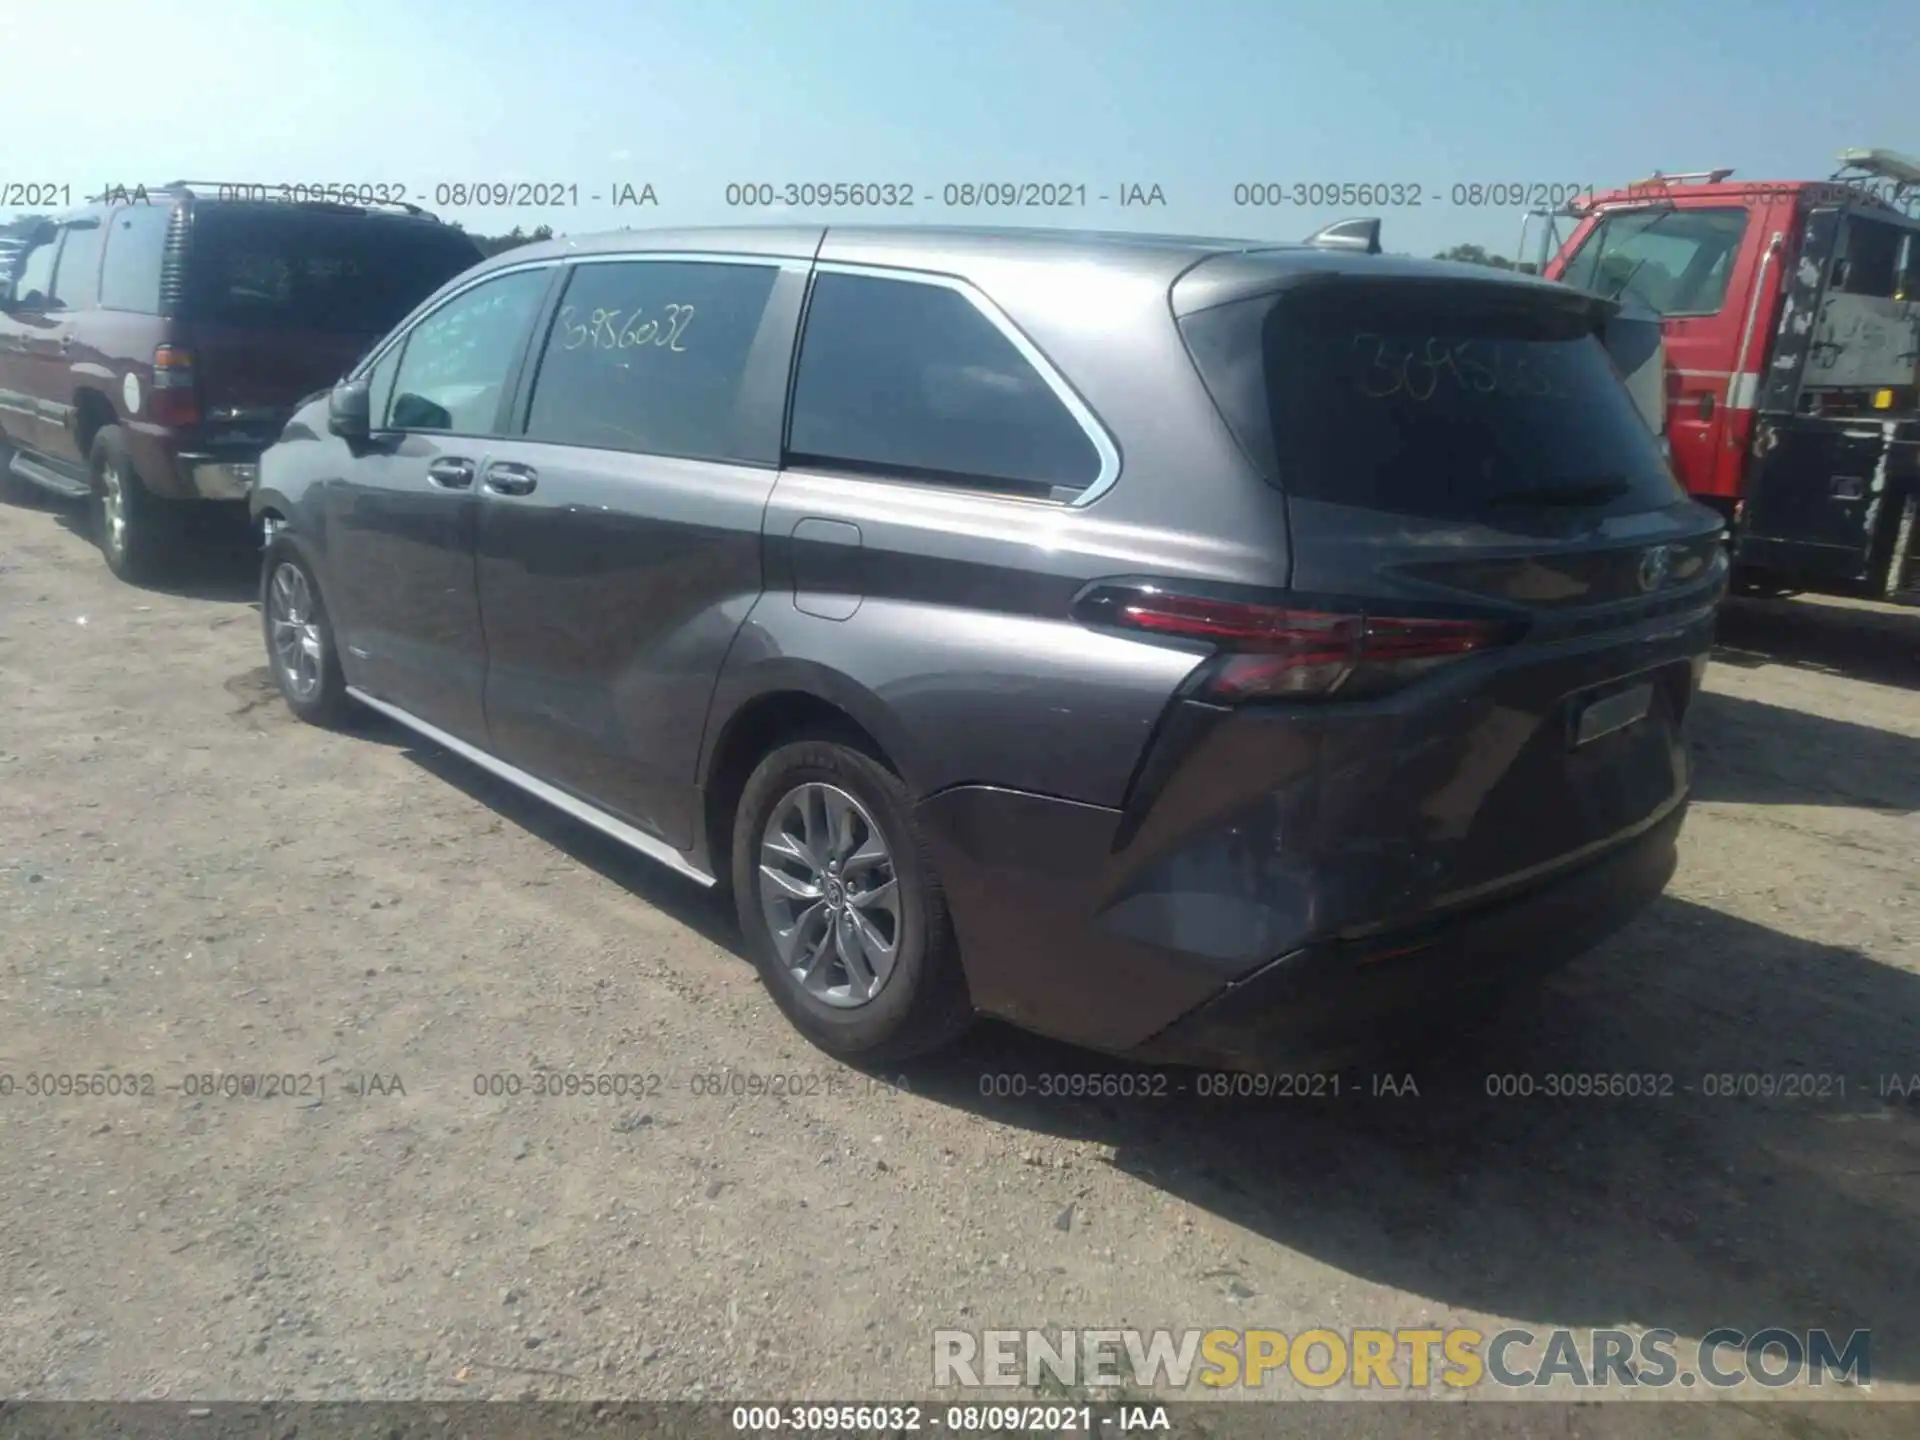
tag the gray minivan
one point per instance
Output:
(1209, 651)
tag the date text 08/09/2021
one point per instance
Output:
(719, 1083)
(1045, 1418)
(1056, 194)
(455, 194)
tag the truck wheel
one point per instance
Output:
(1900, 561)
(133, 526)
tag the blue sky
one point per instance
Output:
(1192, 95)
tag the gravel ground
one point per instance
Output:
(191, 882)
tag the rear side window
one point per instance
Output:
(649, 356)
(906, 378)
(290, 269)
(76, 281)
(34, 276)
(136, 243)
(1422, 402)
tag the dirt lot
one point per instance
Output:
(192, 883)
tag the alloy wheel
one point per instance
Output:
(113, 507)
(295, 627)
(830, 894)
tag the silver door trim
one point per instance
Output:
(648, 845)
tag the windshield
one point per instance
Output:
(302, 270)
(1677, 262)
(1439, 407)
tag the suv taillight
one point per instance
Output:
(176, 396)
(1267, 650)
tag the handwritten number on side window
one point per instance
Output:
(606, 331)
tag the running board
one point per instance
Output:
(48, 478)
(650, 846)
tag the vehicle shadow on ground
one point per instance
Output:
(1750, 752)
(1681, 1208)
(220, 561)
(1876, 643)
(703, 911)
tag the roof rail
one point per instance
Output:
(1359, 234)
(1686, 177)
(260, 191)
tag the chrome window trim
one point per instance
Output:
(691, 257)
(1089, 423)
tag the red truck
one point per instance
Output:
(1791, 313)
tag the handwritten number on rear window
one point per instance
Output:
(604, 329)
(1417, 368)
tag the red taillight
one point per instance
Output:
(176, 395)
(1272, 650)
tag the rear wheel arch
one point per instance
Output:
(289, 542)
(760, 725)
(92, 413)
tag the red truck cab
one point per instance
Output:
(1791, 314)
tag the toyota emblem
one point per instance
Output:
(1655, 566)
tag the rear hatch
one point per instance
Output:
(280, 300)
(1465, 471)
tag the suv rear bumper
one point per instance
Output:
(179, 465)
(209, 477)
(1333, 1003)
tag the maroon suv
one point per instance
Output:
(153, 343)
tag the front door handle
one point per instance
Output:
(506, 478)
(450, 474)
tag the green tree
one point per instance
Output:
(1475, 255)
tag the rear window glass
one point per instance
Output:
(304, 271)
(1421, 406)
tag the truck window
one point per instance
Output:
(1677, 262)
(1869, 258)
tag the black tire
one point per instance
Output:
(140, 547)
(923, 1003)
(327, 703)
